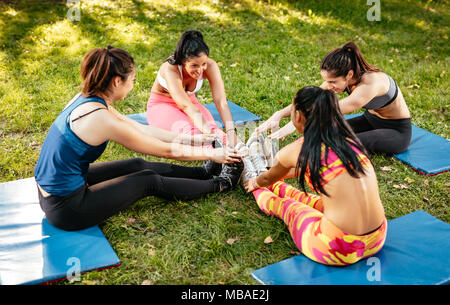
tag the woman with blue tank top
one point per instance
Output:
(76, 193)
(385, 126)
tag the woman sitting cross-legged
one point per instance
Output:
(345, 222)
(76, 193)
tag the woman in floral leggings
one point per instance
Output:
(345, 222)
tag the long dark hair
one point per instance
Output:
(100, 65)
(190, 44)
(324, 124)
(341, 60)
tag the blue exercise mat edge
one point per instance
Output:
(422, 139)
(45, 249)
(402, 259)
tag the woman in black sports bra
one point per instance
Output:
(385, 126)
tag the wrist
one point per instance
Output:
(255, 183)
(231, 130)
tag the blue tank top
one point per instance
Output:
(64, 159)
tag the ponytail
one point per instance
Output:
(190, 44)
(341, 60)
(324, 125)
(101, 65)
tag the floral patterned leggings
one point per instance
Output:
(314, 235)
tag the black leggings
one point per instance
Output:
(113, 186)
(382, 135)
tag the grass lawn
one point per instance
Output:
(267, 51)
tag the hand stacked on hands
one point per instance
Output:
(226, 154)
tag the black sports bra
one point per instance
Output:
(383, 100)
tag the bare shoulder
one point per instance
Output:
(168, 70)
(212, 72)
(90, 122)
(211, 61)
(288, 155)
(211, 66)
(84, 109)
(371, 78)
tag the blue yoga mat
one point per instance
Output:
(239, 114)
(416, 252)
(428, 154)
(32, 251)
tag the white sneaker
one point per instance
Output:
(257, 157)
(270, 150)
(249, 169)
(253, 137)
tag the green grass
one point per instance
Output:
(277, 47)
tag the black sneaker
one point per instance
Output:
(232, 172)
(223, 184)
(212, 168)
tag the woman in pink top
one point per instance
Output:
(172, 104)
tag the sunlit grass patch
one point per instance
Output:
(267, 50)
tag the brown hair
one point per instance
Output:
(341, 60)
(100, 65)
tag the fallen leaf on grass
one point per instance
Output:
(386, 168)
(130, 221)
(286, 78)
(233, 65)
(234, 213)
(268, 240)
(413, 86)
(231, 241)
(409, 180)
(400, 186)
(151, 252)
(362, 41)
(146, 282)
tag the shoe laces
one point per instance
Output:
(259, 162)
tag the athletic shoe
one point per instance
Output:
(212, 168)
(270, 150)
(230, 175)
(257, 158)
(249, 169)
(253, 138)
